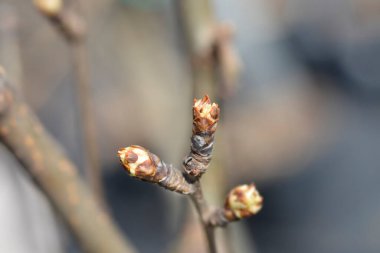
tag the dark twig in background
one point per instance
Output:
(72, 26)
(215, 62)
(44, 160)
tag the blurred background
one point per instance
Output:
(302, 122)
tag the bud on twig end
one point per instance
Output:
(137, 161)
(49, 8)
(243, 201)
(205, 115)
(142, 164)
(205, 119)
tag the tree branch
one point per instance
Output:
(203, 211)
(25, 137)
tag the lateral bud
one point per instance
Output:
(144, 165)
(242, 201)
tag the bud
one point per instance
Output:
(141, 163)
(242, 201)
(137, 161)
(205, 115)
(205, 119)
(49, 7)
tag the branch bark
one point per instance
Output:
(203, 210)
(42, 157)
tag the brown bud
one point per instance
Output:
(137, 162)
(205, 115)
(141, 163)
(242, 201)
(49, 7)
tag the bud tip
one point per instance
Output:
(205, 114)
(136, 160)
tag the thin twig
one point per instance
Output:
(198, 20)
(85, 102)
(203, 211)
(72, 26)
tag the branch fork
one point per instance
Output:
(241, 202)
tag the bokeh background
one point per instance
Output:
(303, 122)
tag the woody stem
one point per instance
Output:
(203, 211)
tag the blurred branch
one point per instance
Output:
(53, 172)
(9, 43)
(72, 26)
(213, 56)
(198, 20)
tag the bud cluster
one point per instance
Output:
(242, 201)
